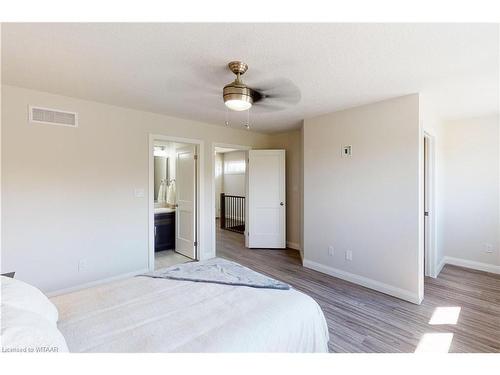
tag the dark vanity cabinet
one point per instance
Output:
(165, 231)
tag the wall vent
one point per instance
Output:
(40, 115)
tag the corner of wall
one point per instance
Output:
(439, 267)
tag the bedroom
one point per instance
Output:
(359, 197)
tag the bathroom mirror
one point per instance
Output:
(161, 173)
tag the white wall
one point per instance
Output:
(471, 189)
(68, 195)
(234, 183)
(368, 203)
(292, 142)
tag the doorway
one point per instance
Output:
(230, 195)
(174, 202)
(258, 210)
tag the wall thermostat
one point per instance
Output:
(347, 150)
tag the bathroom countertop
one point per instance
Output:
(164, 210)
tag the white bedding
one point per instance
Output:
(143, 314)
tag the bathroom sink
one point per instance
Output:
(164, 210)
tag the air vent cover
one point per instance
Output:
(49, 116)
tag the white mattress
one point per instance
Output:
(143, 314)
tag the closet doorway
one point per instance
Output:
(175, 201)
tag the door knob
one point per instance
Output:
(282, 204)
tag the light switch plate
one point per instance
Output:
(139, 193)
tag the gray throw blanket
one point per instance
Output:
(218, 271)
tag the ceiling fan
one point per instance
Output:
(240, 97)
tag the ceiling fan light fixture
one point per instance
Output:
(237, 96)
(238, 104)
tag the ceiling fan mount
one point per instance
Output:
(238, 67)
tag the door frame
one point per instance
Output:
(200, 190)
(212, 198)
(429, 179)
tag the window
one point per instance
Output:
(234, 167)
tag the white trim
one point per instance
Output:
(212, 199)
(440, 266)
(479, 266)
(95, 283)
(293, 245)
(431, 268)
(419, 260)
(200, 222)
(364, 281)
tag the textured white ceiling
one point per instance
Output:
(180, 69)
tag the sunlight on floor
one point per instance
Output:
(435, 343)
(169, 258)
(445, 315)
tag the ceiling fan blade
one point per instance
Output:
(212, 75)
(185, 87)
(279, 89)
(264, 106)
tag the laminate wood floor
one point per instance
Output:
(362, 320)
(167, 258)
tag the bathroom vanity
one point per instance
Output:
(164, 229)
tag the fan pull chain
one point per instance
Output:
(226, 123)
(247, 125)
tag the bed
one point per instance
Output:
(143, 314)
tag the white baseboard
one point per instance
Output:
(364, 281)
(293, 245)
(479, 266)
(95, 283)
(440, 266)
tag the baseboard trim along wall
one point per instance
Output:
(440, 266)
(95, 283)
(478, 266)
(364, 281)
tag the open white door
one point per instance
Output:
(266, 199)
(185, 213)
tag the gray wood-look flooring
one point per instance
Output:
(167, 258)
(363, 320)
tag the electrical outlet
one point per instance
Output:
(82, 265)
(348, 255)
(330, 250)
(488, 248)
